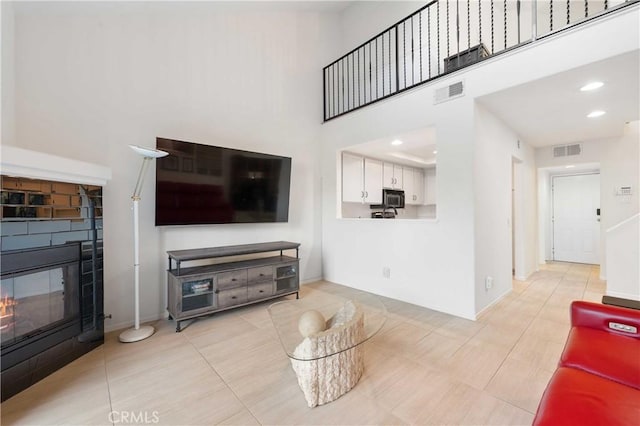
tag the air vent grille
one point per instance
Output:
(449, 92)
(567, 150)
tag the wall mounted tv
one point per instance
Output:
(203, 184)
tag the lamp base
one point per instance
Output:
(136, 334)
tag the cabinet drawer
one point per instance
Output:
(260, 291)
(262, 274)
(232, 297)
(232, 279)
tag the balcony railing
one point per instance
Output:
(442, 37)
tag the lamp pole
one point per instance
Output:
(138, 333)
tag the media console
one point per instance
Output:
(202, 290)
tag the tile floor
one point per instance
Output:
(423, 367)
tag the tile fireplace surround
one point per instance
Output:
(51, 245)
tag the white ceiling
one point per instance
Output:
(416, 149)
(553, 110)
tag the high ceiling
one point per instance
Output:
(553, 110)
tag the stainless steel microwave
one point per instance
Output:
(393, 198)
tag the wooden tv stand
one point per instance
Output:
(203, 290)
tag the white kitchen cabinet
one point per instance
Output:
(392, 176)
(430, 193)
(413, 186)
(361, 179)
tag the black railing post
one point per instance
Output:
(324, 93)
(397, 60)
(518, 12)
(458, 26)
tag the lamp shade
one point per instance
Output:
(148, 152)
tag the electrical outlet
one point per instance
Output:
(386, 272)
(488, 283)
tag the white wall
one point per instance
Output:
(431, 261)
(496, 147)
(92, 78)
(623, 247)
(365, 19)
(436, 264)
(7, 108)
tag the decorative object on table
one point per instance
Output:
(139, 333)
(311, 322)
(333, 371)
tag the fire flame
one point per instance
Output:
(6, 311)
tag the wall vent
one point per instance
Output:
(567, 150)
(449, 92)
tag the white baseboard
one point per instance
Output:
(127, 324)
(478, 314)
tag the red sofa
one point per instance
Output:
(598, 377)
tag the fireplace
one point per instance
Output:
(51, 270)
(39, 300)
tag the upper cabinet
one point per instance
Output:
(361, 179)
(413, 185)
(430, 192)
(392, 176)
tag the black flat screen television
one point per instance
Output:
(203, 184)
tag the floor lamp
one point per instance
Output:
(139, 333)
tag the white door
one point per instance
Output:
(576, 229)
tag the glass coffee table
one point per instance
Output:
(328, 363)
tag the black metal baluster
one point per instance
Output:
(480, 22)
(404, 54)
(397, 64)
(606, 5)
(468, 24)
(586, 8)
(505, 25)
(492, 48)
(370, 74)
(448, 29)
(377, 79)
(359, 99)
(550, 15)
(420, 43)
(324, 93)
(413, 67)
(429, 39)
(457, 26)
(568, 12)
(325, 87)
(353, 80)
(383, 64)
(438, 34)
(335, 97)
(343, 85)
(518, 12)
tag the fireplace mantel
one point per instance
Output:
(21, 162)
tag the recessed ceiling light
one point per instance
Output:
(591, 86)
(435, 152)
(596, 113)
(396, 142)
(570, 166)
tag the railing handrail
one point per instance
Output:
(353, 80)
(624, 222)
